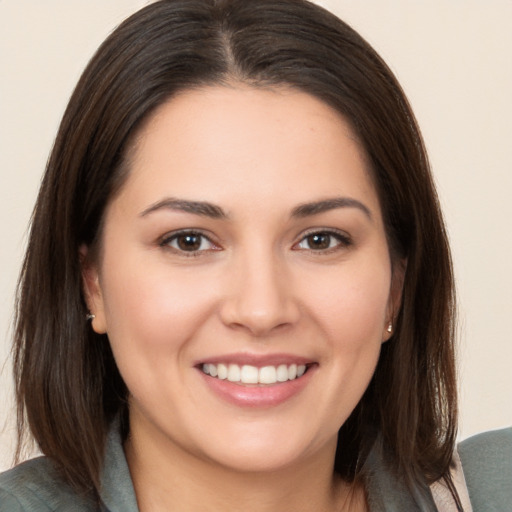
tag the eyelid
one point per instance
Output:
(344, 239)
(165, 241)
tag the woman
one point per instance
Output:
(245, 299)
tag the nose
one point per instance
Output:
(260, 298)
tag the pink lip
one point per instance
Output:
(258, 360)
(257, 396)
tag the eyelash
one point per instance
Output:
(341, 239)
(167, 240)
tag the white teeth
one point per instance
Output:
(268, 375)
(248, 374)
(234, 373)
(282, 373)
(222, 371)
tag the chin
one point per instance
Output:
(250, 462)
(268, 452)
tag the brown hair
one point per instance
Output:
(68, 385)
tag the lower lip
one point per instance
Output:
(257, 396)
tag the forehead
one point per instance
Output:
(214, 142)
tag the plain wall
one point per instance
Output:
(454, 60)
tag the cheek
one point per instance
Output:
(152, 318)
(150, 309)
(353, 321)
(350, 307)
(352, 303)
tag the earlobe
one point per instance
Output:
(395, 297)
(388, 332)
(92, 292)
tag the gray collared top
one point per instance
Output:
(34, 486)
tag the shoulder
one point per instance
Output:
(34, 486)
(487, 463)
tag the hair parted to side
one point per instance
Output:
(68, 385)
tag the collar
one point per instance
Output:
(117, 493)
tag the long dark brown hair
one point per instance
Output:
(67, 382)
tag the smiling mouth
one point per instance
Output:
(248, 374)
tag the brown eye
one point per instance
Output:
(323, 241)
(188, 241)
(319, 241)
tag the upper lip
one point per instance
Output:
(258, 360)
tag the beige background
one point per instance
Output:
(454, 60)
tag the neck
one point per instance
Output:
(165, 475)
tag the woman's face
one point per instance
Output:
(245, 280)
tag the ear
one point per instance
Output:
(92, 291)
(395, 298)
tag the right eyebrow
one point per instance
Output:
(202, 208)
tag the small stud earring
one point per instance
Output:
(90, 316)
(390, 327)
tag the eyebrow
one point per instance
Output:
(202, 208)
(213, 211)
(317, 207)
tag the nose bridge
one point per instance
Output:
(261, 299)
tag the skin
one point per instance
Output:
(255, 284)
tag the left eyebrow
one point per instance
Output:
(317, 207)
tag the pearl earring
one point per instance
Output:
(90, 316)
(390, 327)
